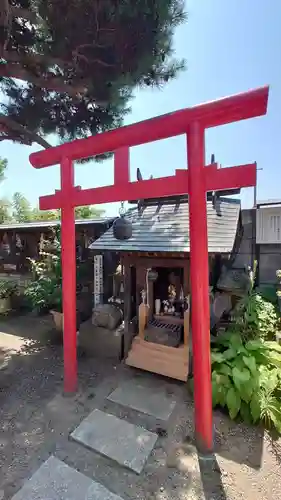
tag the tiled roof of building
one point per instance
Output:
(165, 228)
(52, 223)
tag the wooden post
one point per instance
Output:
(150, 299)
(199, 274)
(186, 316)
(186, 323)
(127, 306)
(143, 312)
(68, 259)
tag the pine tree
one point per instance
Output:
(4, 203)
(21, 208)
(80, 61)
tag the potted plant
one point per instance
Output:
(56, 307)
(7, 290)
(45, 290)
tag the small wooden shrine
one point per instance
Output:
(155, 277)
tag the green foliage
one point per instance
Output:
(278, 276)
(255, 317)
(23, 212)
(7, 289)
(246, 379)
(3, 167)
(44, 215)
(88, 212)
(5, 211)
(44, 292)
(4, 203)
(110, 47)
(21, 208)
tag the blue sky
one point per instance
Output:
(230, 47)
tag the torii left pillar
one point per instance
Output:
(68, 259)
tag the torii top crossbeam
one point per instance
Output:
(194, 181)
(212, 114)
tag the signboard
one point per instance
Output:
(98, 279)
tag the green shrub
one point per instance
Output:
(278, 276)
(255, 317)
(44, 292)
(7, 289)
(246, 379)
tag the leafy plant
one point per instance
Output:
(255, 317)
(246, 379)
(278, 276)
(7, 289)
(45, 291)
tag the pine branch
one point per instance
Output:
(33, 59)
(53, 83)
(11, 125)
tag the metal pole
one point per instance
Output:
(199, 273)
(255, 189)
(68, 257)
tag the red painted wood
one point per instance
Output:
(121, 166)
(199, 278)
(211, 114)
(68, 258)
(231, 177)
(195, 181)
(164, 186)
(215, 179)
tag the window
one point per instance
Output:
(268, 225)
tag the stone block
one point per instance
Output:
(55, 480)
(143, 398)
(101, 342)
(127, 444)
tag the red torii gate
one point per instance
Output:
(194, 181)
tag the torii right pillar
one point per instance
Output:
(199, 277)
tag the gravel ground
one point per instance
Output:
(37, 420)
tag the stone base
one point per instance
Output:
(101, 342)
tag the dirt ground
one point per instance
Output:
(36, 420)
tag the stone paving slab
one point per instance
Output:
(127, 444)
(143, 398)
(55, 480)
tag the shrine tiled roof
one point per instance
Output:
(165, 228)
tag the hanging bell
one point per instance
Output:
(122, 227)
